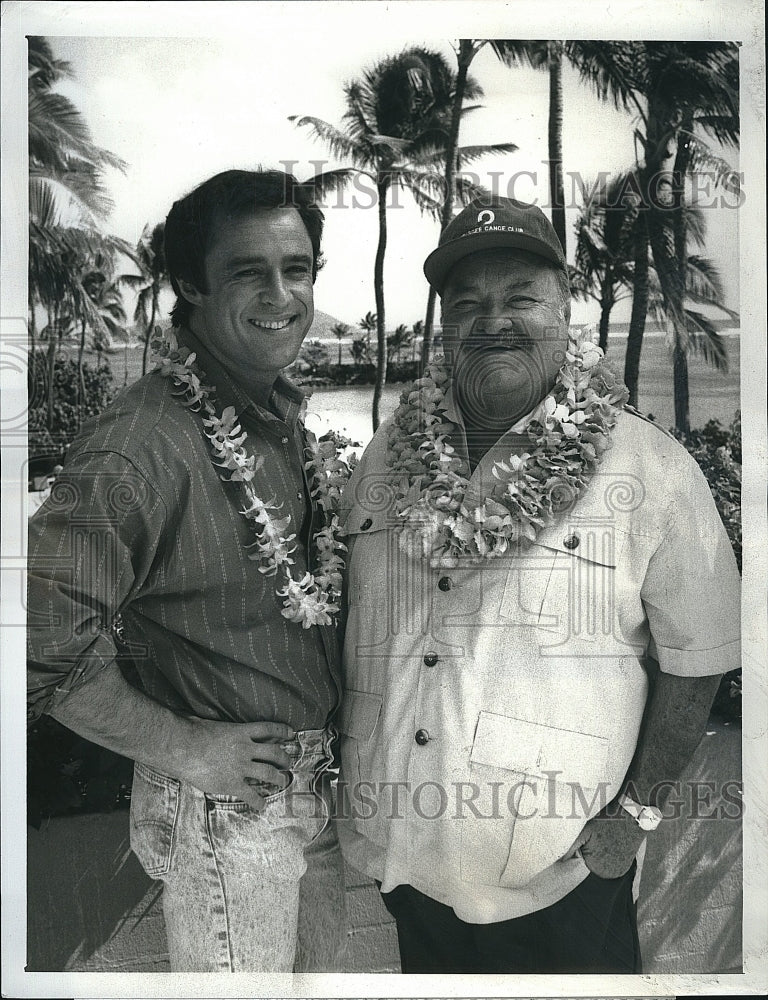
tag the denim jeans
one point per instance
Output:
(246, 891)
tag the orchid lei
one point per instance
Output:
(568, 432)
(311, 599)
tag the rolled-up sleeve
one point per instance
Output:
(91, 549)
(691, 592)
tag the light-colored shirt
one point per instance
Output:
(489, 711)
(139, 524)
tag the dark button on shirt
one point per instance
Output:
(571, 542)
(140, 524)
(430, 659)
(445, 583)
(422, 737)
(366, 524)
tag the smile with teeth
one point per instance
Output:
(276, 324)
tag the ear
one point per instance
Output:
(190, 293)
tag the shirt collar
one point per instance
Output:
(285, 400)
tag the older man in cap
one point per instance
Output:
(540, 603)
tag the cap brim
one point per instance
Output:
(441, 260)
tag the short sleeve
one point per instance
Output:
(692, 589)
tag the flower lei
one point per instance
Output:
(312, 599)
(568, 432)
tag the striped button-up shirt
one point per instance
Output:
(139, 528)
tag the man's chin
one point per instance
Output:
(497, 400)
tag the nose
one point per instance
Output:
(492, 324)
(275, 292)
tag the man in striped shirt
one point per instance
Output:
(223, 702)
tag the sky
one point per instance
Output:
(178, 110)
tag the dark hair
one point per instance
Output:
(194, 221)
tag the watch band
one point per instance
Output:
(646, 817)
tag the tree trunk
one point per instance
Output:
(606, 305)
(80, 352)
(680, 353)
(32, 355)
(429, 322)
(639, 310)
(378, 285)
(556, 194)
(339, 352)
(150, 331)
(680, 377)
(53, 333)
(465, 57)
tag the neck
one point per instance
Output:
(256, 384)
(480, 439)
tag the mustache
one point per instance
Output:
(509, 339)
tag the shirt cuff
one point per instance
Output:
(99, 654)
(699, 662)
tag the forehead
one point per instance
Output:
(269, 233)
(499, 266)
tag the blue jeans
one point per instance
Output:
(246, 891)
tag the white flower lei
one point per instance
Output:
(568, 433)
(312, 599)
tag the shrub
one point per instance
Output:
(314, 359)
(71, 406)
(717, 451)
(361, 352)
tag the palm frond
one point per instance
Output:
(469, 154)
(521, 53)
(330, 181)
(704, 160)
(58, 135)
(337, 141)
(706, 341)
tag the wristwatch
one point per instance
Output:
(647, 817)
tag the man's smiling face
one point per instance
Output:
(505, 332)
(259, 305)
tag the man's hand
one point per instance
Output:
(608, 843)
(221, 758)
(230, 758)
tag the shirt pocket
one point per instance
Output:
(358, 718)
(154, 816)
(567, 585)
(534, 788)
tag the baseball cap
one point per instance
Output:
(490, 222)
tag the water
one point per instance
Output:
(713, 394)
(348, 409)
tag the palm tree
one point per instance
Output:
(604, 269)
(604, 249)
(64, 162)
(67, 202)
(678, 90)
(340, 331)
(369, 324)
(540, 55)
(546, 55)
(402, 337)
(465, 53)
(394, 134)
(150, 256)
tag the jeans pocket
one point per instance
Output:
(154, 814)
